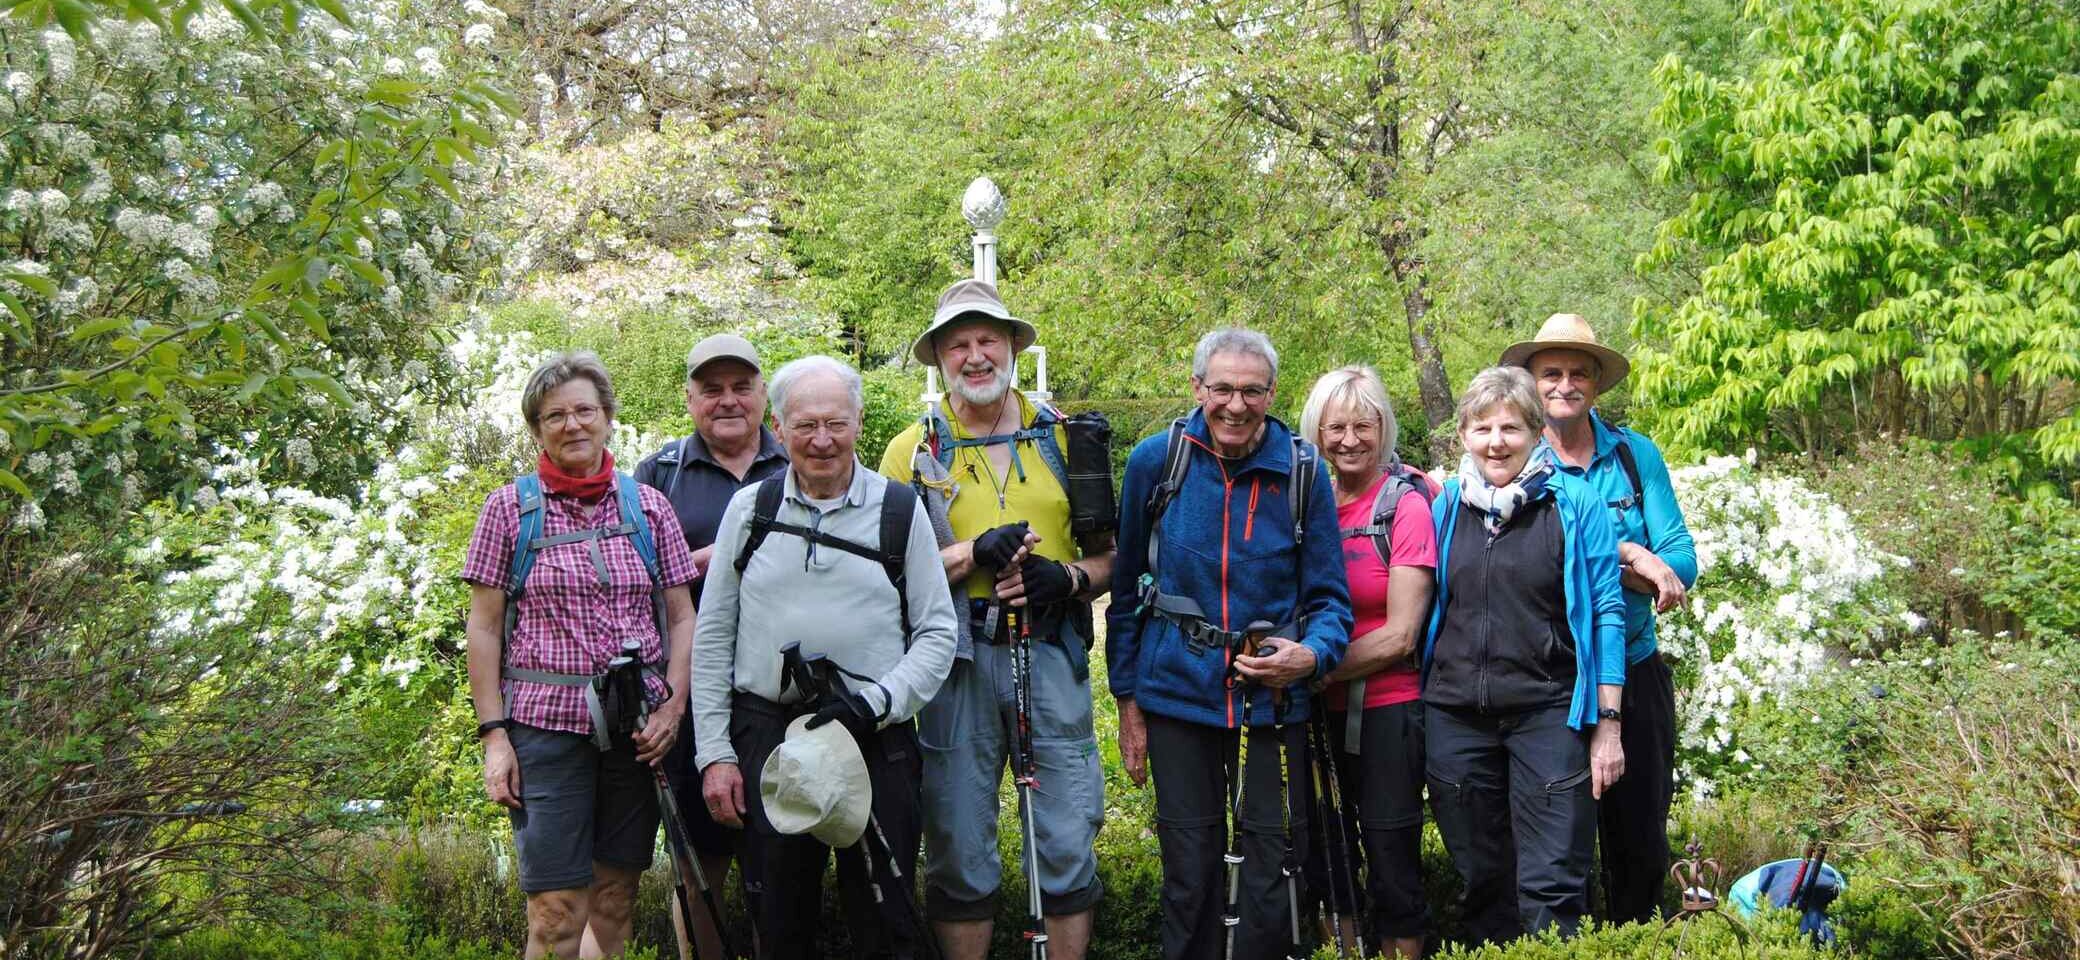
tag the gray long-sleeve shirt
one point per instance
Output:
(838, 604)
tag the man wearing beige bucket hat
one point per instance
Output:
(995, 479)
(1573, 369)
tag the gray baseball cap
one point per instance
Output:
(721, 346)
(970, 298)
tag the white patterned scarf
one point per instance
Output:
(1498, 504)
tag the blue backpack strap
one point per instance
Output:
(528, 489)
(631, 497)
(1045, 421)
(630, 494)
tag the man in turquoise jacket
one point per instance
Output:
(1228, 601)
(1659, 565)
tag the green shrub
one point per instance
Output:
(1701, 938)
(1956, 772)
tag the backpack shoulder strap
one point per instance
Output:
(1046, 420)
(764, 508)
(1630, 464)
(898, 509)
(1300, 485)
(527, 489)
(631, 495)
(1177, 458)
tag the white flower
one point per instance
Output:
(389, 217)
(141, 49)
(36, 462)
(266, 193)
(478, 35)
(171, 147)
(299, 454)
(21, 200)
(206, 498)
(53, 202)
(206, 217)
(57, 46)
(482, 11)
(65, 481)
(191, 241)
(393, 66)
(1914, 621)
(20, 84)
(29, 516)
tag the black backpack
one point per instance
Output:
(898, 505)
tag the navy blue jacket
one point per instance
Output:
(1227, 543)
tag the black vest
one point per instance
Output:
(1503, 643)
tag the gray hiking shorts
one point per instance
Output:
(579, 806)
(969, 731)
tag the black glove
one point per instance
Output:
(994, 549)
(1046, 581)
(849, 709)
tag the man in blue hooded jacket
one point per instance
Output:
(1224, 611)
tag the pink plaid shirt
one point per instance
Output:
(569, 622)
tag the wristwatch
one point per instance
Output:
(1609, 713)
(490, 725)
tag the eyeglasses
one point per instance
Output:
(836, 428)
(1362, 429)
(1224, 392)
(581, 415)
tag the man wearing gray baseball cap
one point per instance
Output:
(729, 449)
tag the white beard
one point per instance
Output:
(984, 395)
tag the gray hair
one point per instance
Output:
(1357, 386)
(1508, 386)
(1234, 340)
(784, 381)
(559, 370)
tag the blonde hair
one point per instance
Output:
(1508, 386)
(1359, 387)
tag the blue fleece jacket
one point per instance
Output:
(1226, 541)
(1589, 578)
(1657, 525)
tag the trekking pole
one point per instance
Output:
(1289, 864)
(1027, 777)
(1336, 833)
(626, 672)
(1235, 770)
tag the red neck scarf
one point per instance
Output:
(584, 488)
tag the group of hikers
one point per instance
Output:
(1303, 636)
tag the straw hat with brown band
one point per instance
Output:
(1570, 331)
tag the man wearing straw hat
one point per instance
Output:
(993, 468)
(1659, 563)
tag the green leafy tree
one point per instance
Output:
(1887, 218)
(224, 225)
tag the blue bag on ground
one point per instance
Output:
(1775, 880)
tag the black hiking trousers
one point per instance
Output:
(1633, 815)
(1189, 763)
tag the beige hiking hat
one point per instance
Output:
(815, 782)
(970, 298)
(1569, 331)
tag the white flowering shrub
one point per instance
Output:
(215, 222)
(678, 219)
(1786, 586)
(368, 583)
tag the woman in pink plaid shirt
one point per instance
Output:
(584, 819)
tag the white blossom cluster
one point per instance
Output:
(368, 564)
(1785, 580)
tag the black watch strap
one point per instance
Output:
(490, 725)
(1610, 713)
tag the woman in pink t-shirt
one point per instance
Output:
(1391, 563)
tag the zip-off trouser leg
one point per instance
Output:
(968, 732)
